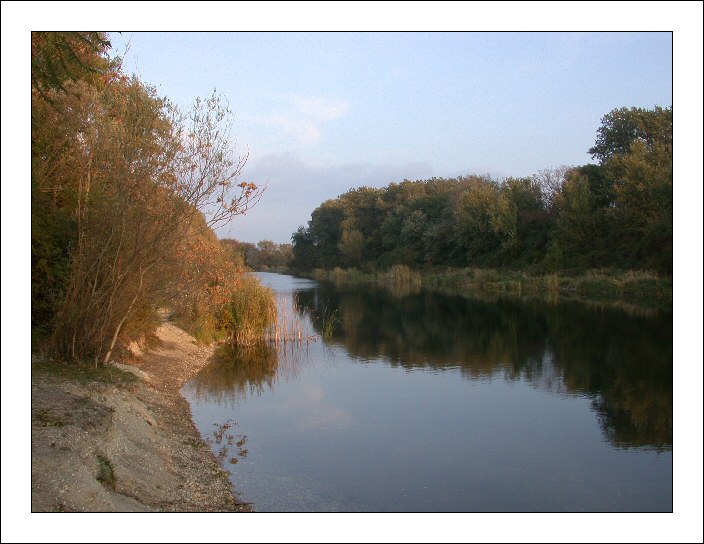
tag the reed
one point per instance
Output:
(640, 287)
(330, 322)
(551, 283)
(288, 329)
(400, 274)
(250, 313)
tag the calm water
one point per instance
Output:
(427, 402)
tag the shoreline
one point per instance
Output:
(122, 439)
(641, 289)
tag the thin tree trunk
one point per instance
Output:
(127, 313)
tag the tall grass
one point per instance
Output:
(637, 287)
(400, 274)
(250, 312)
(330, 322)
(340, 275)
(256, 316)
(289, 328)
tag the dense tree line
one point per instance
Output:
(263, 256)
(125, 189)
(617, 213)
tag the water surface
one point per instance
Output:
(423, 401)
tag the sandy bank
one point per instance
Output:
(101, 446)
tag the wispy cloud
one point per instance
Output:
(295, 187)
(319, 108)
(300, 131)
(300, 121)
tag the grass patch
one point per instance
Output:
(46, 419)
(106, 472)
(647, 290)
(340, 275)
(400, 274)
(84, 373)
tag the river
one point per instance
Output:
(422, 401)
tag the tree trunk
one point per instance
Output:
(127, 313)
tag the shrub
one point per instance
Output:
(400, 274)
(249, 313)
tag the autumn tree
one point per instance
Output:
(485, 219)
(639, 166)
(528, 199)
(126, 174)
(60, 61)
(62, 58)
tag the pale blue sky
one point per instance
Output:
(320, 113)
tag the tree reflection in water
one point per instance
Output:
(236, 373)
(619, 357)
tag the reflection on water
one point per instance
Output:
(468, 366)
(238, 372)
(623, 363)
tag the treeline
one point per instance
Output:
(264, 256)
(126, 188)
(617, 213)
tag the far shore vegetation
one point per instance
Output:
(596, 231)
(638, 288)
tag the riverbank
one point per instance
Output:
(122, 439)
(639, 288)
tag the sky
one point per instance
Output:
(319, 113)
(322, 113)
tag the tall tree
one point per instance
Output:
(61, 58)
(635, 149)
(622, 127)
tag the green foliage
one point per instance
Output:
(622, 127)
(305, 254)
(638, 164)
(485, 219)
(205, 329)
(617, 213)
(352, 246)
(264, 256)
(53, 236)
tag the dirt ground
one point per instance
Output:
(125, 445)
